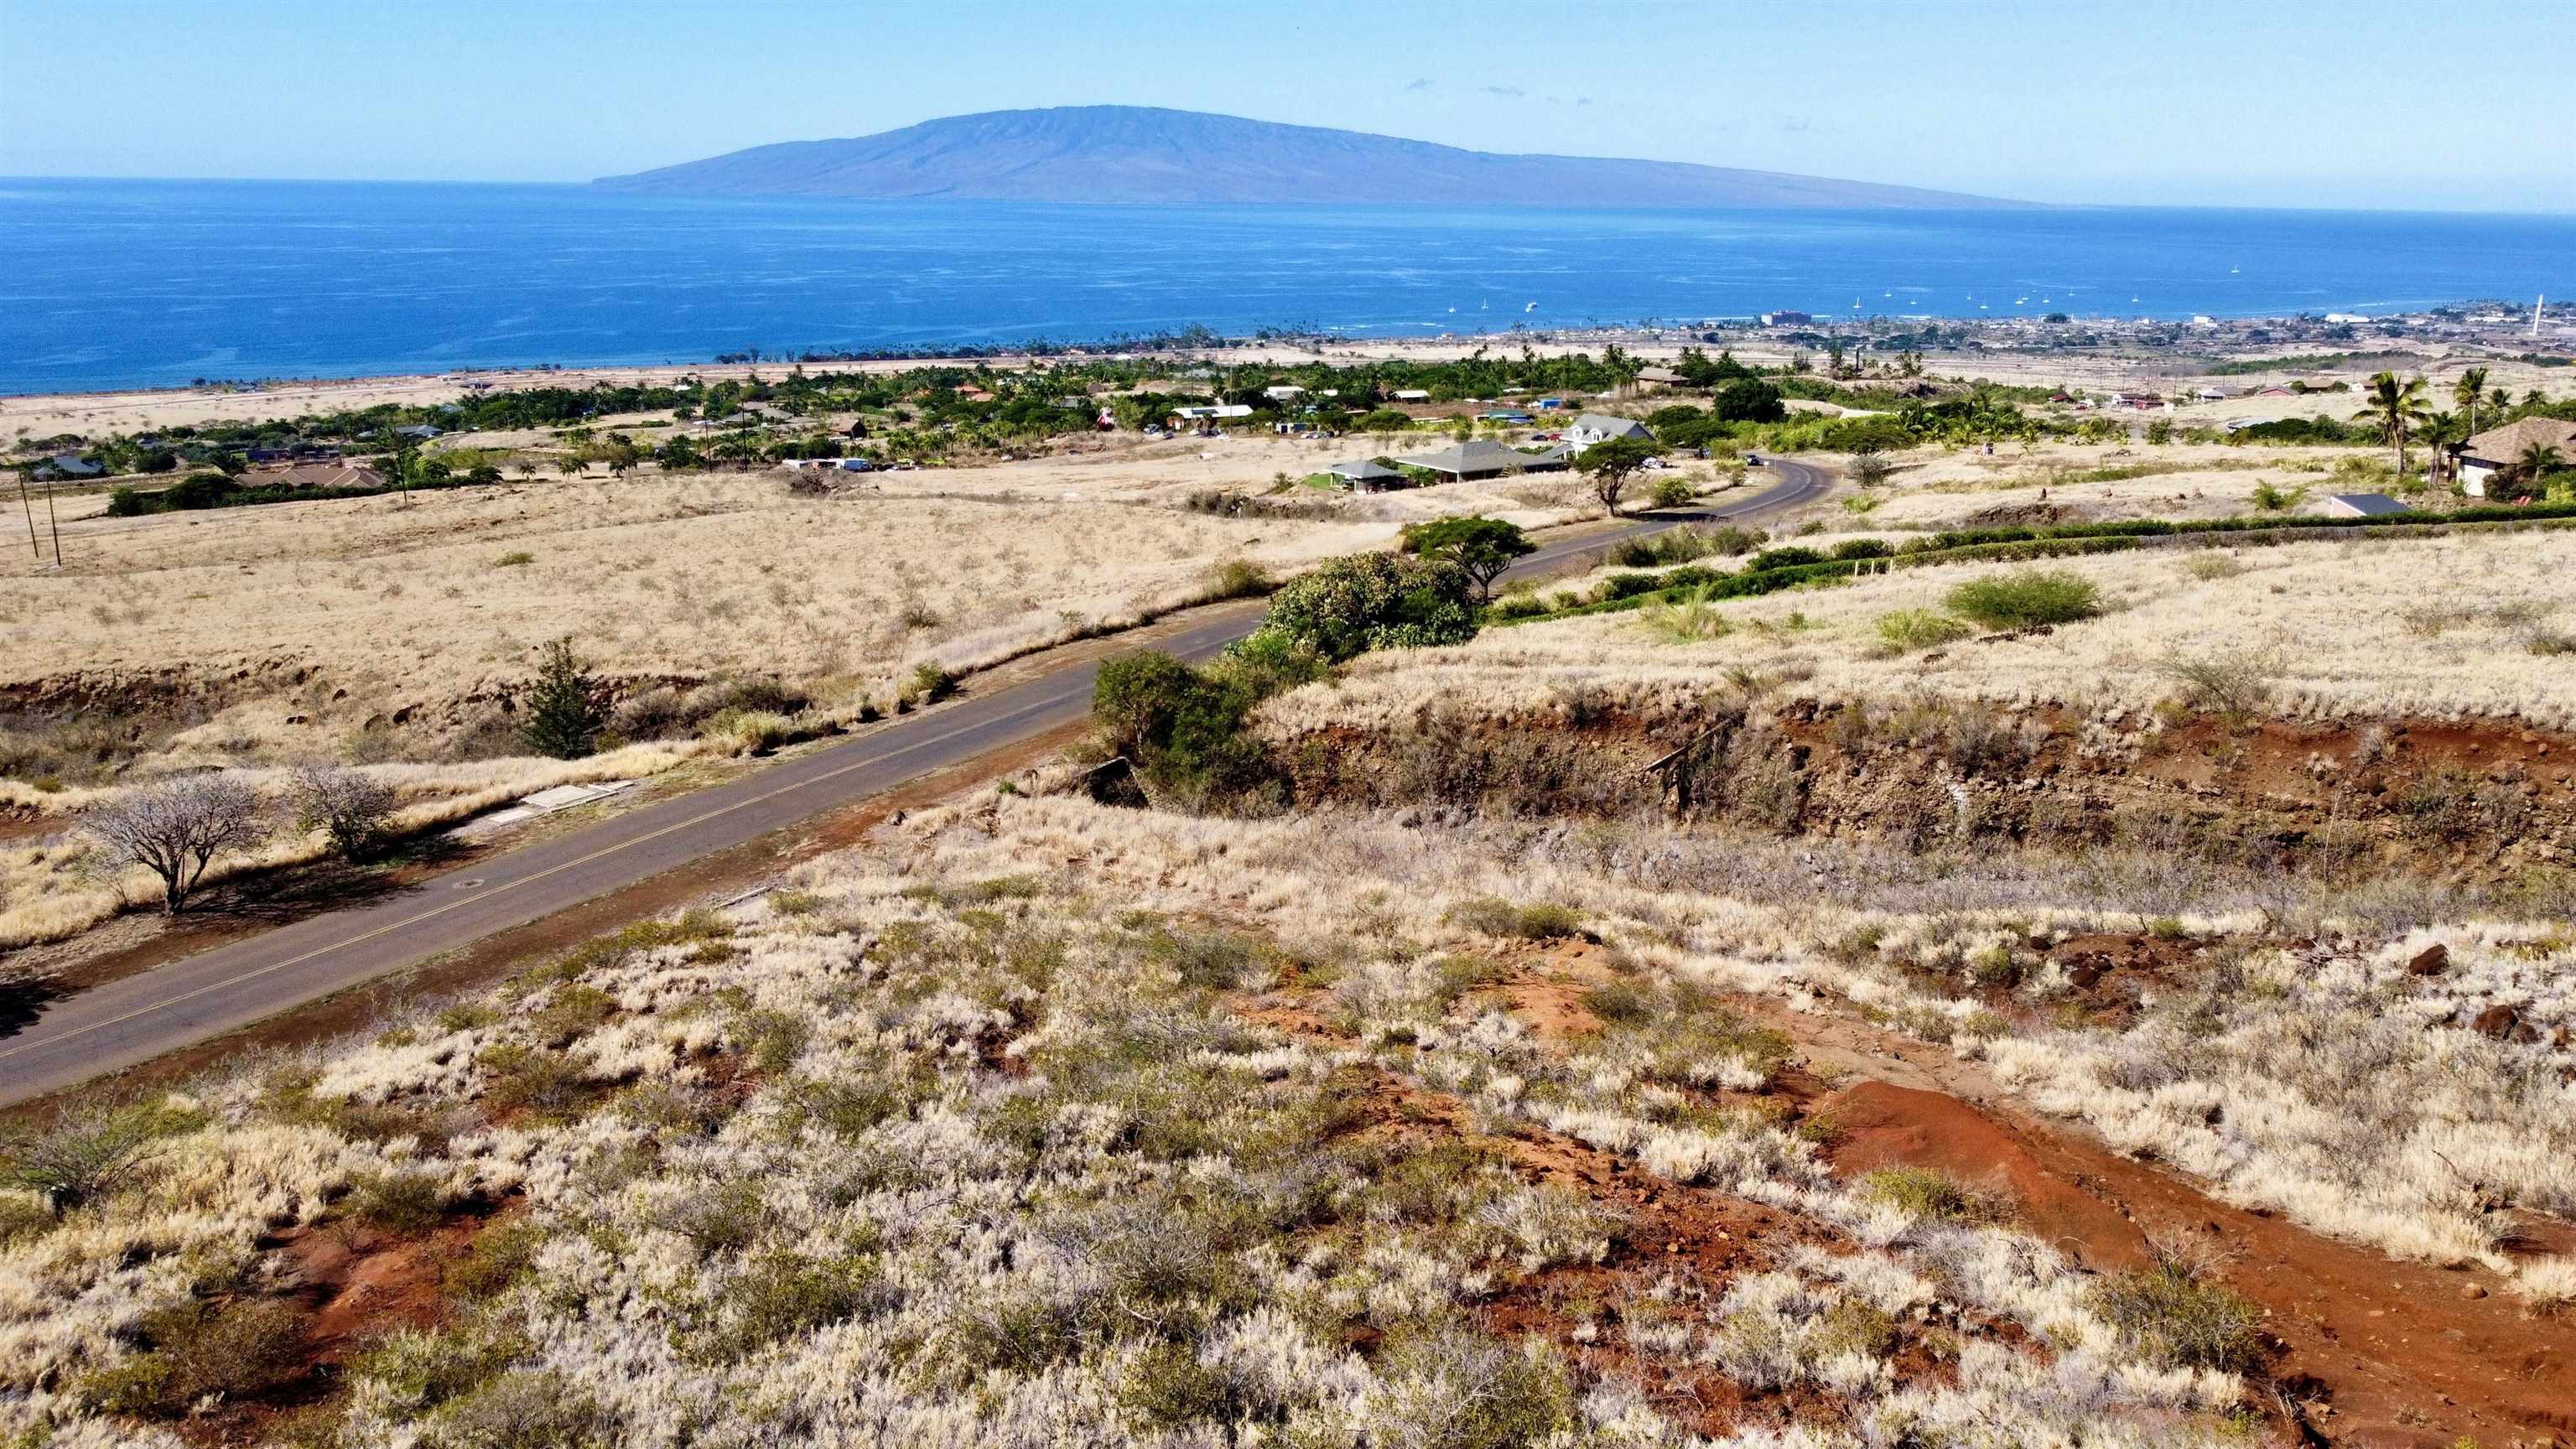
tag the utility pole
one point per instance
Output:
(54, 524)
(34, 548)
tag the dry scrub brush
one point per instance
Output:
(2166, 628)
(932, 1150)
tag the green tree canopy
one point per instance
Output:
(1373, 601)
(1750, 400)
(1484, 547)
(567, 707)
(1609, 463)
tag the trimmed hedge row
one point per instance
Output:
(214, 490)
(1620, 592)
(2163, 528)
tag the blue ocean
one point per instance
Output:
(108, 284)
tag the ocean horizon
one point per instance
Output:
(127, 283)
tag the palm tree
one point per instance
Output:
(2395, 409)
(2499, 399)
(2442, 433)
(2467, 392)
(1622, 366)
(2535, 462)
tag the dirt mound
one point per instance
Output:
(2024, 515)
(1877, 1125)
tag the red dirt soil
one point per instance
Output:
(2394, 1352)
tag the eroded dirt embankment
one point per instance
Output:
(2359, 1349)
(2481, 797)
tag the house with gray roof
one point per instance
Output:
(1593, 428)
(1367, 475)
(1475, 458)
(2363, 505)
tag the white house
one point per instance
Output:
(1412, 394)
(2499, 449)
(1594, 428)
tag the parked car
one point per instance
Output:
(1753, 460)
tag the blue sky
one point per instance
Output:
(2464, 105)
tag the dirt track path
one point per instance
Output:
(2385, 1352)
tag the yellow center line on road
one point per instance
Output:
(1572, 546)
(463, 901)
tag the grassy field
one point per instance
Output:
(1324, 1127)
(427, 606)
(2117, 1000)
(2468, 625)
(394, 633)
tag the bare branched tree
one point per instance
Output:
(177, 827)
(352, 807)
(86, 1154)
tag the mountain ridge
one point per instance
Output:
(1144, 154)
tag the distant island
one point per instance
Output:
(1131, 154)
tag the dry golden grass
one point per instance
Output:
(1936, 489)
(57, 887)
(439, 600)
(2381, 626)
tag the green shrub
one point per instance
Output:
(1236, 578)
(929, 683)
(1183, 728)
(1783, 558)
(574, 1008)
(1903, 631)
(2232, 682)
(1489, 916)
(2025, 599)
(421, 1369)
(1374, 601)
(1621, 1003)
(1691, 618)
(783, 1295)
(515, 558)
(2182, 1322)
(1167, 1386)
(547, 1084)
(567, 707)
(724, 1218)
(749, 731)
(87, 1154)
(1461, 1391)
(528, 1410)
(1213, 959)
(499, 1256)
(1929, 1194)
(772, 1039)
(1671, 491)
(194, 1349)
(1019, 1335)
(407, 1203)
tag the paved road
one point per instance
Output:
(234, 985)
